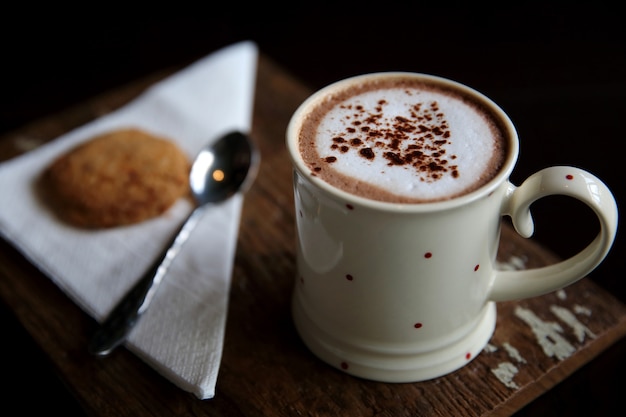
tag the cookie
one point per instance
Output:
(117, 178)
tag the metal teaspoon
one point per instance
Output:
(220, 170)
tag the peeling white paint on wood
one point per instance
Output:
(514, 263)
(489, 348)
(580, 330)
(578, 309)
(505, 372)
(513, 352)
(548, 334)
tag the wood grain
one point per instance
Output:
(266, 370)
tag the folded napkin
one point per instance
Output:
(182, 333)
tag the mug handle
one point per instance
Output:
(557, 180)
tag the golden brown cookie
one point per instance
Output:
(117, 178)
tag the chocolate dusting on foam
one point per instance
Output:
(416, 141)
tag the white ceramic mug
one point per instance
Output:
(406, 292)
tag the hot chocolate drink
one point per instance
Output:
(402, 139)
(400, 184)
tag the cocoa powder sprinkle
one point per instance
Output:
(367, 153)
(418, 140)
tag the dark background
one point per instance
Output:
(557, 69)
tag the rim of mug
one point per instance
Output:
(501, 177)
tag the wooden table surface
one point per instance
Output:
(266, 370)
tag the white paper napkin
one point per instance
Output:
(182, 333)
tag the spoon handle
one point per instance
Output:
(113, 331)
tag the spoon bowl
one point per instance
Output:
(221, 169)
(224, 168)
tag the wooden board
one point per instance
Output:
(266, 370)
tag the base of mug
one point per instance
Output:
(389, 366)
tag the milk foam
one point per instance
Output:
(404, 144)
